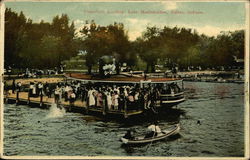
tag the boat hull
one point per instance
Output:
(140, 140)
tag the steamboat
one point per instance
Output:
(126, 94)
(157, 93)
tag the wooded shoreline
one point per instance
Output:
(205, 76)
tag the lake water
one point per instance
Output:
(218, 106)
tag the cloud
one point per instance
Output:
(45, 19)
(169, 5)
(134, 34)
(214, 31)
(136, 27)
(79, 27)
(210, 30)
(78, 22)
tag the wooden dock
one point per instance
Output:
(22, 98)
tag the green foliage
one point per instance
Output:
(38, 45)
(105, 40)
(47, 45)
(184, 47)
(140, 64)
(166, 43)
(77, 62)
(220, 51)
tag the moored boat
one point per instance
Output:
(170, 92)
(142, 140)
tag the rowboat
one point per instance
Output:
(164, 134)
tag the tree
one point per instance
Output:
(119, 44)
(105, 40)
(61, 29)
(94, 42)
(47, 44)
(14, 29)
(176, 44)
(50, 55)
(31, 52)
(25, 41)
(238, 43)
(173, 44)
(149, 47)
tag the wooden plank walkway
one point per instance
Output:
(78, 104)
(24, 96)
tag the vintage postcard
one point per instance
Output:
(124, 79)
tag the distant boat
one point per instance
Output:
(164, 134)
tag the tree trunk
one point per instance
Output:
(117, 67)
(147, 68)
(101, 71)
(89, 69)
(153, 68)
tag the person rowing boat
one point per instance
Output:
(154, 129)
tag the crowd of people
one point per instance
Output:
(38, 72)
(32, 73)
(101, 95)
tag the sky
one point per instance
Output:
(208, 18)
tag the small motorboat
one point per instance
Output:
(164, 134)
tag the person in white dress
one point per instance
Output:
(57, 94)
(34, 89)
(125, 92)
(109, 101)
(116, 100)
(91, 97)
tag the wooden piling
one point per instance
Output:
(41, 99)
(6, 98)
(104, 108)
(28, 102)
(125, 109)
(71, 104)
(17, 97)
(87, 106)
